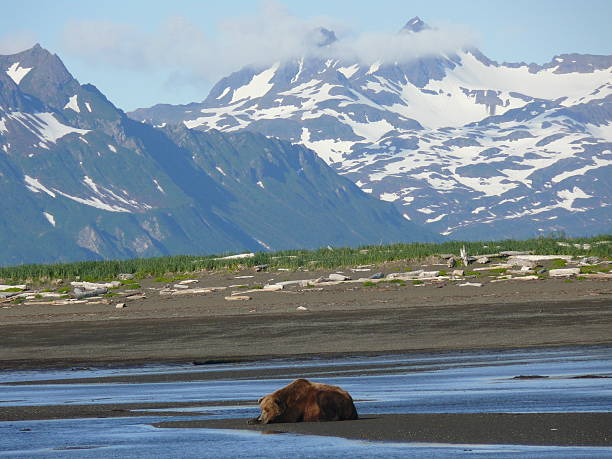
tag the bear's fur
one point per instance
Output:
(303, 400)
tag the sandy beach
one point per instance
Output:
(348, 318)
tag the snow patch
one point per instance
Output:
(87, 104)
(263, 244)
(17, 73)
(436, 219)
(374, 68)
(50, 218)
(389, 197)
(45, 126)
(225, 91)
(261, 185)
(221, 171)
(348, 71)
(159, 187)
(73, 104)
(112, 148)
(35, 186)
(95, 202)
(257, 87)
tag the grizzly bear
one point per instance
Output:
(303, 400)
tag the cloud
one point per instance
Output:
(191, 54)
(14, 43)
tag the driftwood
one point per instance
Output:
(80, 294)
(464, 256)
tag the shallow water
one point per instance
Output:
(460, 382)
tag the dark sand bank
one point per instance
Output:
(381, 328)
(561, 429)
(105, 410)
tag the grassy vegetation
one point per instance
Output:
(560, 263)
(171, 269)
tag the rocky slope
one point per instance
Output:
(470, 147)
(80, 180)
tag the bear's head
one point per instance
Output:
(271, 409)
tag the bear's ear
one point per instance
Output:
(259, 401)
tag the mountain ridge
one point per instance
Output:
(87, 182)
(414, 133)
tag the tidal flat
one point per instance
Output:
(537, 402)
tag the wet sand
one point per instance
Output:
(327, 332)
(560, 429)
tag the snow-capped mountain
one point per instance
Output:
(81, 180)
(472, 148)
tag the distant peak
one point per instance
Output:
(325, 37)
(414, 25)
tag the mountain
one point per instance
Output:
(472, 148)
(80, 180)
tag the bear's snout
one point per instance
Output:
(252, 421)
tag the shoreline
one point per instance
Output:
(326, 333)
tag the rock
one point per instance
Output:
(377, 276)
(260, 268)
(237, 298)
(120, 305)
(482, 260)
(451, 262)
(180, 286)
(302, 308)
(590, 261)
(523, 262)
(471, 284)
(564, 272)
(338, 277)
(364, 251)
(188, 281)
(525, 268)
(125, 276)
(458, 272)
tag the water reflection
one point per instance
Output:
(459, 382)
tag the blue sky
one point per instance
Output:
(142, 52)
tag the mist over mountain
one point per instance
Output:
(458, 142)
(80, 180)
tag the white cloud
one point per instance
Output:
(190, 54)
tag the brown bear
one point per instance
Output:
(303, 400)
